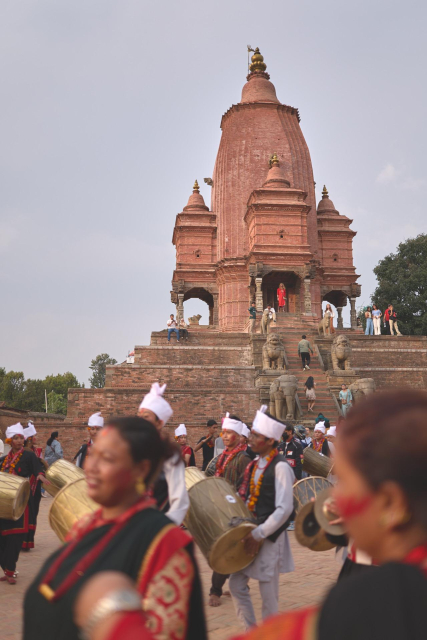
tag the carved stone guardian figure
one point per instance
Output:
(282, 397)
(273, 353)
(325, 324)
(341, 353)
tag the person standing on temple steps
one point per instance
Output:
(252, 317)
(304, 349)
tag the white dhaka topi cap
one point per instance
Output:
(155, 402)
(320, 426)
(266, 425)
(15, 430)
(30, 431)
(246, 432)
(96, 420)
(228, 424)
(180, 431)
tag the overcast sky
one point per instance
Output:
(111, 108)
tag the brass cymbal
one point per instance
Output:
(324, 514)
(308, 531)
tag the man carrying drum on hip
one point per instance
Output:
(267, 491)
(230, 465)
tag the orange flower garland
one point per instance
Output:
(10, 462)
(254, 491)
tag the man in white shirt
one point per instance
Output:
(271, 501)
(268, 315)
(169, 491)
(172, 328)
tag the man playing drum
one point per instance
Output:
(170, 492)
(267, 490)
(230, 465)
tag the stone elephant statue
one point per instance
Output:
(282, 397)
(361, 388)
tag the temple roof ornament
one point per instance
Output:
(326, 204)
(196, 188)
(257, 62)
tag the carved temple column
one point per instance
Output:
(213, 319)
(340, 324)
(180, 306)
(307, 296)
(353, 316)
(258, 295)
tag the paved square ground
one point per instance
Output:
(314, 574)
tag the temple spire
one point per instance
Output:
(325, 192)
(196, 188)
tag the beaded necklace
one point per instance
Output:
(11, 460)
(254, 491)
(226, 458)
(79, 569)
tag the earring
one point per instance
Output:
(140, 486)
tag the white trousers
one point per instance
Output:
(242, 600)
(377, 325)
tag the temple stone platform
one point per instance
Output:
(215, 372)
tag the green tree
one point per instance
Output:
(33, 398)
(61, 383)
(56, 403)
(12, 388)
(98, 366)
(402, 282)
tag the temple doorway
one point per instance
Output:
(270, 284)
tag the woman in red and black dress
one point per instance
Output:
(381, 494)
(35, 484)
(186, 451)
(128, 534)
(24, 463)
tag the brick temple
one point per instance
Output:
(263, 228)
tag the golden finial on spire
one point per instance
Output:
(325, 192)
(257, 64)
(274, 159)
(196, 187)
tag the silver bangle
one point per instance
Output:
(113, 602)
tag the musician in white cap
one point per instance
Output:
(186, 450)
(267, 491)
(94, 424)
(230, 465)
(169, 491)
(320, 443)
(24, 463)
(36, 485)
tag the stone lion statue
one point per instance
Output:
(273, 353)
(361, 388)
(194, 319)
(282, 397)
(341, 353)
(325, 324)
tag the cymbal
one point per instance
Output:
(308, 531)
(324, 515)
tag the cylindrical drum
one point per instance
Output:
(14, 494)
(307, 488)
(218, 519)
(71, 504)
(192, 476)
(61, 473)
(211, 468)
(315, 463)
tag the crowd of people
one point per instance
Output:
(129, 569)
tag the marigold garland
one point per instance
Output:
(10, 461)
(318, 444)
(254, 491)
(225, 458)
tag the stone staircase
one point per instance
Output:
(290, 336)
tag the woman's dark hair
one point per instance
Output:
(374, 305)
(53, 437)
(309, 383)
(368, 308)
(385, 438)
(145, 441)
